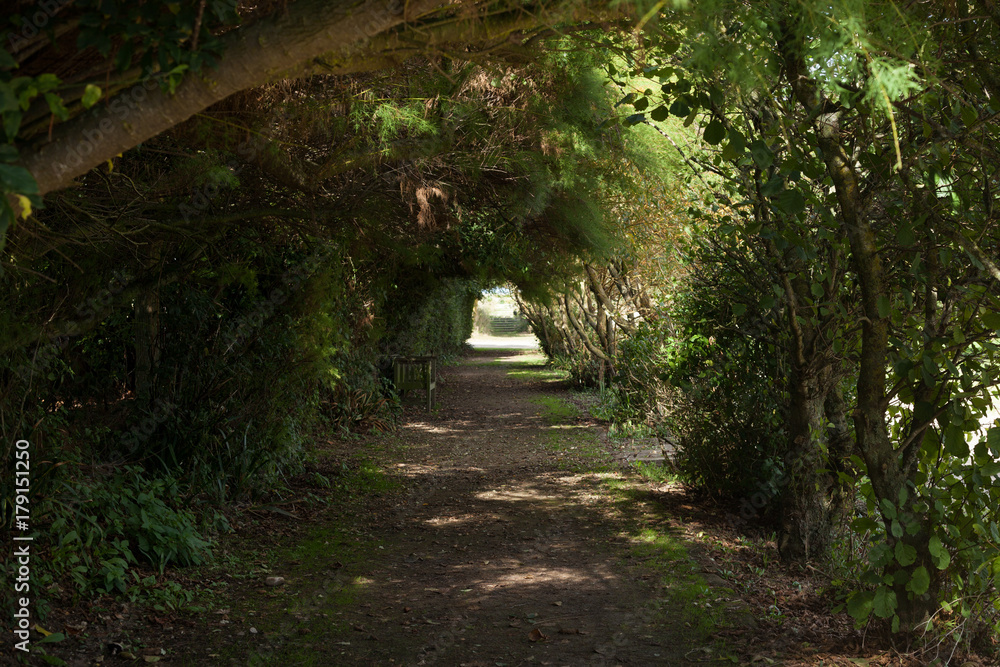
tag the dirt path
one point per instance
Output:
(511, 542)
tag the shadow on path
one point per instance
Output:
(512, 542)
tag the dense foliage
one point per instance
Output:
(845, 156)
(203, 307)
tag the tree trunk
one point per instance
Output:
(303, 38)
(885, 470)
(806, 519)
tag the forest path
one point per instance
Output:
(511, 540)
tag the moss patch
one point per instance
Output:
(540, 373)
(324, 567)
(556, 410)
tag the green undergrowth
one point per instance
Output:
(323, 567)
(540, 373)
(655, 472)
(533, 367)
(519, 359)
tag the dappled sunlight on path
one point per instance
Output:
(504, 555)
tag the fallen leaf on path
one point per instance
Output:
(75, 629)
(536, 635)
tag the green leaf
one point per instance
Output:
(715, 132)
(938, 552)
(991, 320)
(8, 98)
(954, 441)
(969, 116)
(884, 306)
(864, 524)
(859, 605)
(991, 469)
(680, 108)
(888, 509)
(641, 104)
(660, 113)
(739, 309)
(17, 179)
(920, 581)
(47, 82)
(906, 236)
(884, 604)
(736, 146)
(51, 638)
(791, 202)
(11, 124)
(774, 185)
(761, 154)
(993, 438)
(56, 106)
(905, 554)
(91, 94)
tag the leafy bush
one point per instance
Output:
(708, 376)
(146, 512)
(581, 366)
(940, 549)
(99, 527)
(362, 411)
(641, 389)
